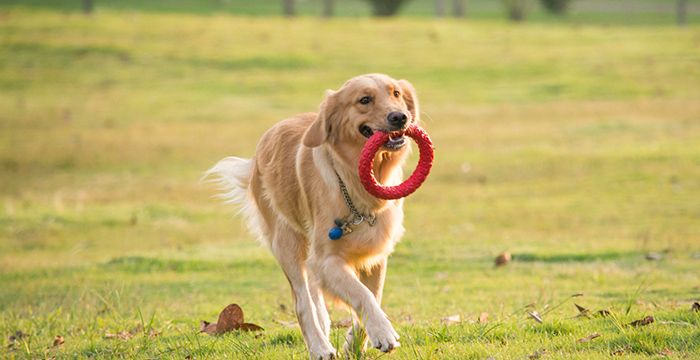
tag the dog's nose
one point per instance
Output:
(397, 119)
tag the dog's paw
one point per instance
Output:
(383, 336)
(325, 352)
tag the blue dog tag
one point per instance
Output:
(335, 233)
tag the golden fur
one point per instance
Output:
(290, 193)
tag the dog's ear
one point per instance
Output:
(321, 130)
(410, 98)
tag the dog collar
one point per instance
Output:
(344, 226)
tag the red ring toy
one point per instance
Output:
(425, 162)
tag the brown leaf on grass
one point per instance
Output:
(452, 319)
(618, 352)
(18, 335)
(537, 354)
(602, 313)
(342, 323)
(642, 322)
(230, 318)
(207, 327)
(654, 256)
(126, 335)
(58, 341)
(14, 338)
(250, 327)
(696, 306)
(666, 352)
(503, 259)
(588, 338)
(582, 311)
(536, 316)
(122, 335)
(483, 318)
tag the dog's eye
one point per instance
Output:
(396, 93)
(366, 100)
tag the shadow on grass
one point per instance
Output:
(141, 264)
(577, 257)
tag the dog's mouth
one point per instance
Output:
(396, 138)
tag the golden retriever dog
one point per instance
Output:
(303, 181)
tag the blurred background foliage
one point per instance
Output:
(575, 11)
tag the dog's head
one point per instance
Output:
(363, 105)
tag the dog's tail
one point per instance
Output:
(232, 175)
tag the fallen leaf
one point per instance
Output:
(537, 354)
(58, 341)
(122, 335)
(582, 311)
(503, 259)
(602, 313)
(230, 318)
(207, 327)
(342, 323)
(642, 322)
(654, 256)
(483, 317)
(18, 335)
(588, 338)
(250, 327)
(536, 316)
(618, 352)
(666, 352)
(696, 306)
(452, 319)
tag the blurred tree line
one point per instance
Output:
(516, 10)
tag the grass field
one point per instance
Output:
(576, 148)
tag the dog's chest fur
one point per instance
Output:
(366, 243)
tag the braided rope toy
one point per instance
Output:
(425, 162)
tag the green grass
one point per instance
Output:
(576, 148)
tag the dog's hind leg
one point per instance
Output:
(289, 249)
(324, 320)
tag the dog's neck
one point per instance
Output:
(387, 170)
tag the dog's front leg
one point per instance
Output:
(340, 279)
(373, 278)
